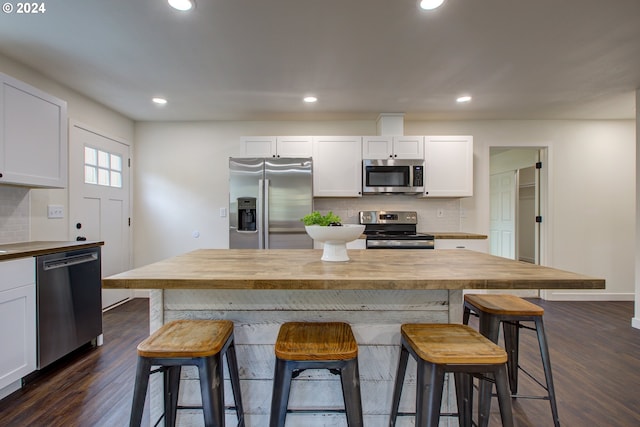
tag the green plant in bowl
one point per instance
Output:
(316, 218)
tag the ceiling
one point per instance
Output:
(256, 59)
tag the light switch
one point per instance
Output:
(223, 212)
(55, 211)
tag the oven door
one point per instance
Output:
(394, 243)
(389, 176)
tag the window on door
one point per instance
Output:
(102, 168)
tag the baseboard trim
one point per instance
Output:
(141, 293)
(635, 322)
(577, 296)
(10, 388)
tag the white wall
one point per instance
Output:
(180, 182)
(180, 178)
(591, 193)
(79, 108)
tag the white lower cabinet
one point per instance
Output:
(17, 320)
(478, 245)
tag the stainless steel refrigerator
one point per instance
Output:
(267, 198)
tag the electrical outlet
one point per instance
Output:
(440, 213)
(55, 211)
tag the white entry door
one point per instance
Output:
(503, 214)
(99, 200)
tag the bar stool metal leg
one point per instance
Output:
(546, 363)
(210, 370)
(512, 346)
(464, 397)
(504, 397)
(350, 379)
(397, 389)
(234, 374)
(281, 389)
(490, 328)
(140, 391)
(429, 386)
(171, 389)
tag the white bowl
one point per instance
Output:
(335, 239)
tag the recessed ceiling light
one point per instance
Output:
(310, 99)
(463, 99)
(159, 101)
(183, 5)
(430, 4)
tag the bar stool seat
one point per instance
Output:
(442, 348)
(201, 343)
(316, 345)
(510, 310)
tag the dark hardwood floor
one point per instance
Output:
(595, 355)
(91, 387)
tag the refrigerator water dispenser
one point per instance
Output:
(246, 213)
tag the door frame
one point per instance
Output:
(543, 202)
(71, 227)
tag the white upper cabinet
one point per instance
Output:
(337, 166)
(276, 146)
(448, 166)
(392, 147)
(33, 136)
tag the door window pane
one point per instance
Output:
(102, 168)
(90, 174)
(90, 156)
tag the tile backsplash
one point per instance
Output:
(14, 214)
(428, 209)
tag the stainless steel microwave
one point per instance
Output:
(392, 176)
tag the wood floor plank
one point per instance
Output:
(595, 355)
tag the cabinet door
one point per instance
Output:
(408, 147)
(33, 136)
(17, 320)
(258, 146)
(294, 146)
(448, 166)
(377, 147)
(337, 166)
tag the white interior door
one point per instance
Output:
(99, 200)
(503, 214)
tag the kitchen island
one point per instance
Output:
(376, 291)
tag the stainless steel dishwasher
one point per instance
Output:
(68, 302)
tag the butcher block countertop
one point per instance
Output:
(28, 249)
(381, 269)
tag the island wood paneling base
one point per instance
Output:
(375, 292)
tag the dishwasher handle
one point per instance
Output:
(69, 261)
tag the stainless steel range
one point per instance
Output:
(394, 230)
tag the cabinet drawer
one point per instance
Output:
(17, 272)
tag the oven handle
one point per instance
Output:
(69, 261)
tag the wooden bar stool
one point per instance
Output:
(442, 348)
(510, 310)
(316, 345)
(202, 343)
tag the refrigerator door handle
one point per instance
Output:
(266, 213)
(260, 210)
